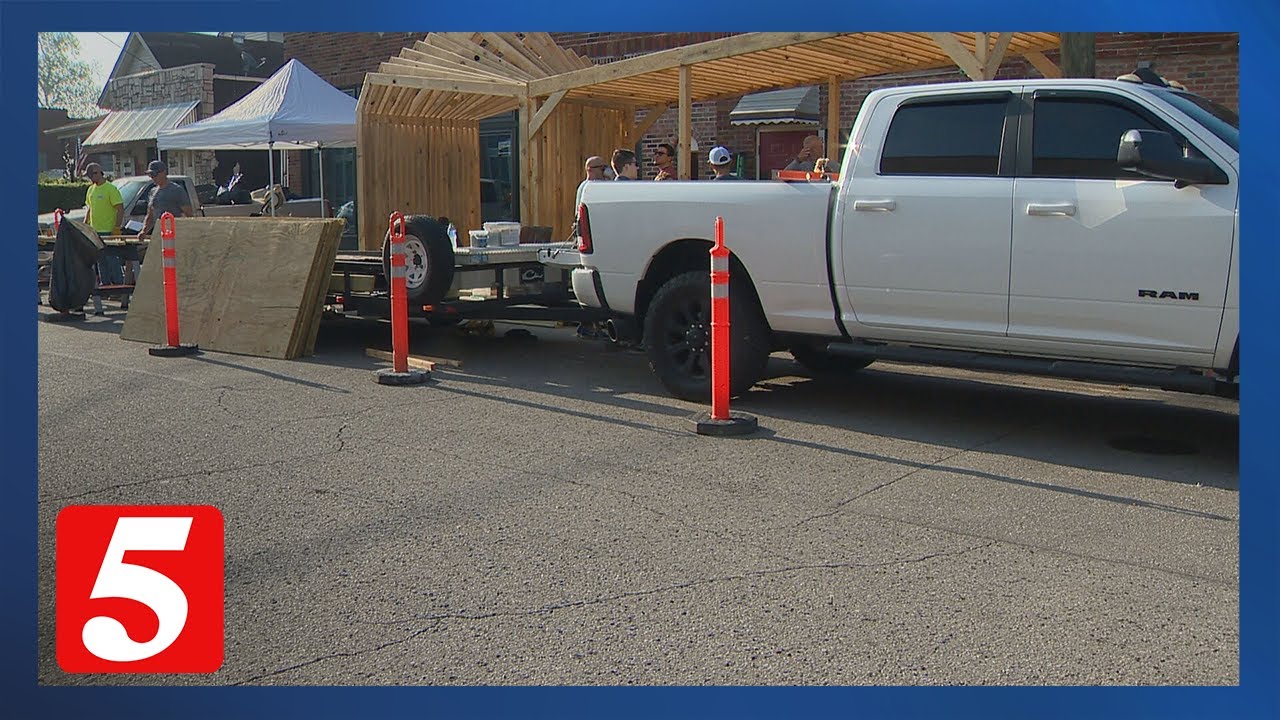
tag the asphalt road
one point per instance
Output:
(542, 514)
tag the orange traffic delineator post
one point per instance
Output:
(399, 373)
(169, 261)
(721, 421)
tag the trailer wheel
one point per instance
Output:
(677, 335)
(428, 258)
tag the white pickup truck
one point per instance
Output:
(1076, 228)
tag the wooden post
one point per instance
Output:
(523, 137)
(686, 120)
(1079, 55)
(536, 143)
(833, 119)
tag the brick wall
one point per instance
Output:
(604, 47)
(344, 58)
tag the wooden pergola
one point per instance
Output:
(418, 116)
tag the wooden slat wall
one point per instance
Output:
(416, 166)
(571, 134)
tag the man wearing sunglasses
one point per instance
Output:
(664, 157)
(167, 197)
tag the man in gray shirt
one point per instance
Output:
(167, 197)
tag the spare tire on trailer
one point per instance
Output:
(428, 259)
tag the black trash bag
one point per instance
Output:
(74, 276)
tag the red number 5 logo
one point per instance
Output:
(140, 589)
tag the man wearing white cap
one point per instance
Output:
(719, 160)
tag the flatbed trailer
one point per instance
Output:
(520, 282)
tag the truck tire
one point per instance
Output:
(819, 362)
(677, 336)
(428, 259)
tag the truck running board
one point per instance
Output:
(1177, 380)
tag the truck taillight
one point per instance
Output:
(584, 231)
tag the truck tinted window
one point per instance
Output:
(1079, 138)
(945, 138)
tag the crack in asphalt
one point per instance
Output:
(921, 468)
(434, 621)
(1057, 551)
(206, 472)
(637, 500)
(682, 586)
(334, 656)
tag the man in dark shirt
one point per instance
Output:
(166, 197)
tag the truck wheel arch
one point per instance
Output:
(680, 256)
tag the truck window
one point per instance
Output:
(945, 138)
(1079, 137)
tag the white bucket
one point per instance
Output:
(503, 233)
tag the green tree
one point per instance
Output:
(63, 79)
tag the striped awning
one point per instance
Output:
(122, 126)
(792, 105)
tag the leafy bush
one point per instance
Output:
(54, 194)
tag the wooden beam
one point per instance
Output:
(997, 55)
(414, 362)
(959, 54)
(833, 119)
(639, 129)
(522, 131)
(981, 48)
(545, 111)
(686, 120)
(516, 54)
(535, 155)
(1042, 64)
(421, 83)
(669, 59)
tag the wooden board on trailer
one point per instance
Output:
(252, 286)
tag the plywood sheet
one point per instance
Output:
(253, 286)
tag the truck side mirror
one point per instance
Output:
(1155, 154)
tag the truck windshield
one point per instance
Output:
(129, 189)
(1219, 120)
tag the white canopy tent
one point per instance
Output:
(295, 109)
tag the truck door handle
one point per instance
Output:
(881, 205)
(1067, 209)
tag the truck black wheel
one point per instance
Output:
(677, 336)
(428, 258)
(818, 361)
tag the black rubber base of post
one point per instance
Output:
(414, 376)
(168, 351)
(64, 317)
(737, 424)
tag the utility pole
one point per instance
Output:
(1079, 55)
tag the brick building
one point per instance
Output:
(1207, 63)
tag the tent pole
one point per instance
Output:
(320, 156)
(271, 174)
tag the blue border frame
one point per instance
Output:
(1257, 22)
